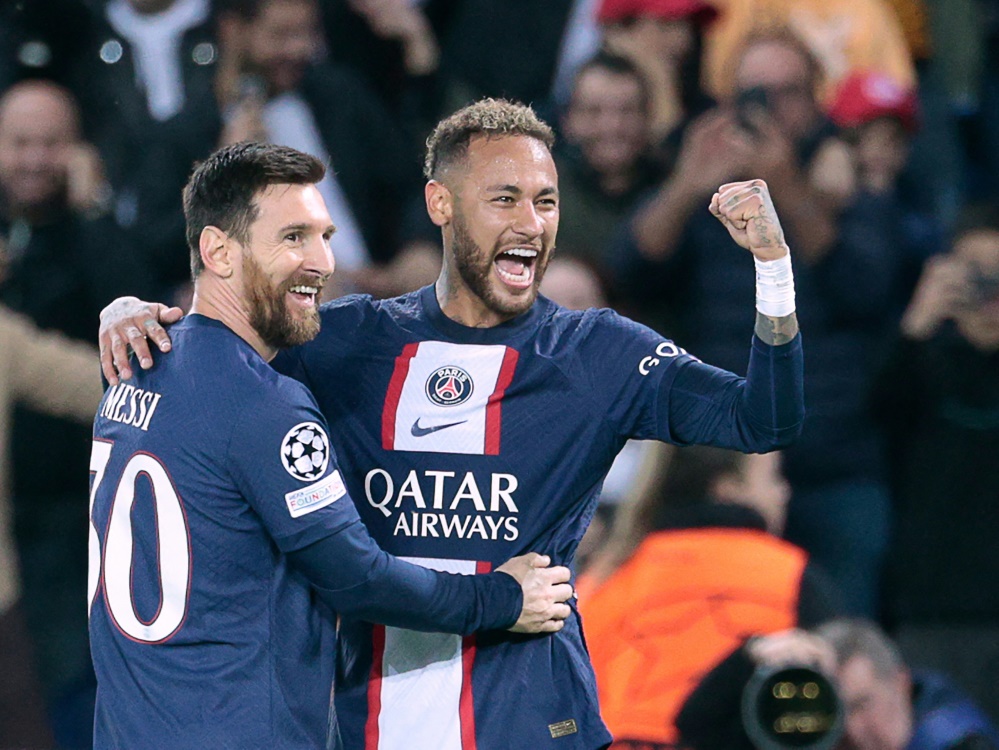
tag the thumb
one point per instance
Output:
(541, 561)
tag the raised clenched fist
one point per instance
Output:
(747, 211)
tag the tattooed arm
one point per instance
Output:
(776, 331)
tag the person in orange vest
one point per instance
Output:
(707, 574)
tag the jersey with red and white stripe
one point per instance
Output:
(465, 446)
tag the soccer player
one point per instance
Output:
(218, 510)
(477, 419)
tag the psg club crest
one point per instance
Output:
(305, 451)
(449, 386)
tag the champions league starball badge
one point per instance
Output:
(449, 386)
(305, 451)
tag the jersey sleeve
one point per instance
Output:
(657, 390)
(283, 463)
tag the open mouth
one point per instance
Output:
(516, 266)
(304, 294)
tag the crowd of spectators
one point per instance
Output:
(874, 122)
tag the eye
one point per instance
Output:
(294, 237)
(549, 202)
(505, 199)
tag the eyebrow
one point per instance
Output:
(517, 191)
(303, 227)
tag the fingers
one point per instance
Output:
(170, 314)
(137, 340)
(551, 626)
(119, 354)
(558, 574)
(563, 592)
(538, 561)
(107, 362)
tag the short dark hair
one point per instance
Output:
(493, 118)
(617, 65)
(248, 10)
(786, 36)
(222, 188)
(852, 637)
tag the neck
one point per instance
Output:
(215, 298)
(461, 304)
(617, 183)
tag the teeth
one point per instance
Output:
(305, 290)
(522, 252)
(515, 276)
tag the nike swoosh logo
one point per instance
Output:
(417, 431)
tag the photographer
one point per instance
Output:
(699, 559)
(712, 718)
(884, 704)
(938, 398)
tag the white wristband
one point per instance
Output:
(774, 287)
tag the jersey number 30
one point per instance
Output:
(113, 568)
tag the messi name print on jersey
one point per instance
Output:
(447, 398)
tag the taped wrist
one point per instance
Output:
(774, 287)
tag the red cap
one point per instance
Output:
(863, 97)
(612, 11)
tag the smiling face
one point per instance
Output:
(499, 210)
(282, 41)
(38, 126)
(608, 120)
(286, 260)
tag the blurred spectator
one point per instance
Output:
(879, 118)
(271, 86)
(53, 376)
(843, 35)
(502, 49)
(707, 573)
(664, 40)
(890, 707)
(938, 397)
(148, 72)
(393, 45)
(843, 248)
(604, 161)
(64, 260)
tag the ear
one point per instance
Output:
(216, 251)
(440, 203)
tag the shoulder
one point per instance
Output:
(342, 317)
(599, 327)
(226, 372)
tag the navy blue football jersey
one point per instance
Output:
(462, 447)
(206, 470)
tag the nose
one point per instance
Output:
(528, 221)
(319, 257)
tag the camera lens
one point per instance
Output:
(791, 707)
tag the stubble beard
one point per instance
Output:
(476, 267)
(269, 313)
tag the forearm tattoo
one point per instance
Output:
(776, 331)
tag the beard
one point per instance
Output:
(475, 266)
(268, 309)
